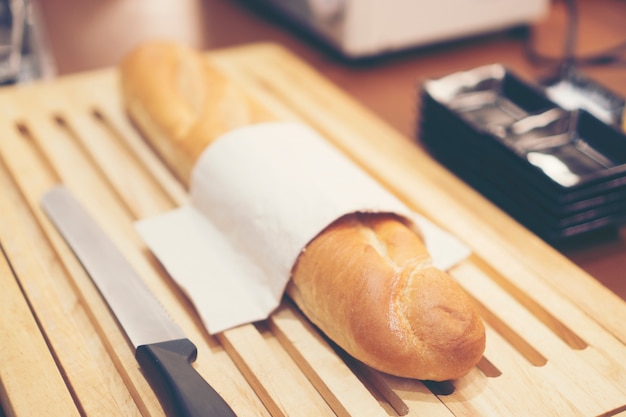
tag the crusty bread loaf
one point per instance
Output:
(366, 281)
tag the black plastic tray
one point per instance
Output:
(561, 172)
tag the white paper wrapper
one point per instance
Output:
(259, 194)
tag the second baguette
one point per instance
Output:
(181, 103)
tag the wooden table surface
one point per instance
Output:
(88, 34)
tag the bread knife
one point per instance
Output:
(164, 353)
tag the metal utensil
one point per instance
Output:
(161, 348)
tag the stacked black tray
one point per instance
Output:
(561, 173)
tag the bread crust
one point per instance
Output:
(366, 281)
(181, 102)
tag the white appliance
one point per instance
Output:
(362, 28)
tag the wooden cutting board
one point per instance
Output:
(556, 338)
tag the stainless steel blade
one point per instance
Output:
(143, 318)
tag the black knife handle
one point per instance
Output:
(180, 388)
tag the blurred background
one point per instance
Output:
(378, 52)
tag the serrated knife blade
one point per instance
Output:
(163, 351)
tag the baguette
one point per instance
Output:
(181, 102)
(366, 281)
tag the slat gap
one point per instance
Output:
(10, 182)
(141, 152)
(562, 331)
(105, 123)
(29, 138)
(69, 131)
(531, 354)
(488, 368)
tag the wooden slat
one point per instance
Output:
(26, 364)
(315, 357)
(284, 392)
(87, 93)
(592, 395)
(30, 381)
(34, 175)
(74, 342)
